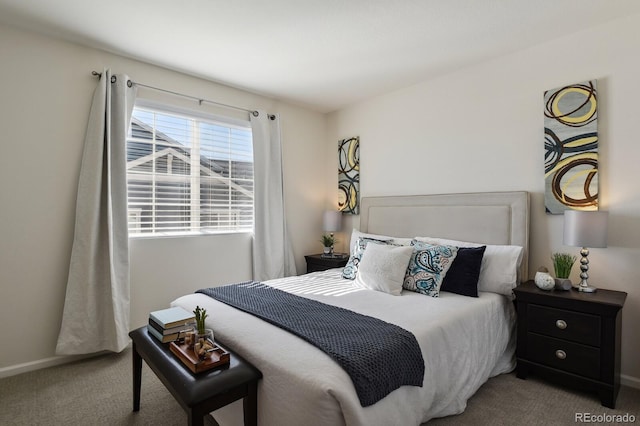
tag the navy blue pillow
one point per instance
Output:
(462, 277)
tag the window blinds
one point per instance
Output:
(188, 174)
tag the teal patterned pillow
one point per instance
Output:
(428, 266)
(351, 268)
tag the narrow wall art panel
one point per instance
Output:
(571, 148)
(349, 175)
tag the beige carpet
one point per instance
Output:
(98, 392)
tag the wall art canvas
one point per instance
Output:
(349, 175)
(571, 148)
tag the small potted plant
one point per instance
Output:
(562, 264)
(328, 241)
(203, 344)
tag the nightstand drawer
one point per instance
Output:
(563, 324)
(563, 355)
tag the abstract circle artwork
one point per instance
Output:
(571, 148)
(349, 175)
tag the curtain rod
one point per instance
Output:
(200, 100)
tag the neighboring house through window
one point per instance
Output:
(188, 174)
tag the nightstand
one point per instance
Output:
(570, 337)
(318, 262)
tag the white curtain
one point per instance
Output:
(272, 254)
(96, 307)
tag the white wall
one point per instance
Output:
(45, 93)
(481, 129)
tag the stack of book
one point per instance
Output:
(166, 324)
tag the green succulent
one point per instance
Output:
(328, 240)
(201, 315)
(562, 264)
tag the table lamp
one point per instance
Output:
(585, 229)
(331, 222)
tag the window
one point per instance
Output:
(188, 174)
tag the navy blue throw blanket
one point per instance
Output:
(378, 356)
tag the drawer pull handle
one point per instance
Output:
(560, 354)
(561, 324)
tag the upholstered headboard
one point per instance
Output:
(483, 217)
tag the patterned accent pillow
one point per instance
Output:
(428, 266)
(351, 268)
(355, 234)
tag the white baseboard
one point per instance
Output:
(632, 382)
(42, 363)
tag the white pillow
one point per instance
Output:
(383, 267)
(355, 234)
(500, 265)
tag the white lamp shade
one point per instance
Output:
(585, 228)
(331, 221)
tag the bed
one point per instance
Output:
(463, 340)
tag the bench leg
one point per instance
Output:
(250, 405)
(195, 417)
(137, 377)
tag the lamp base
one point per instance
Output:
(584, 287)
(584, 273)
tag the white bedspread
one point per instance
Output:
(464, 341)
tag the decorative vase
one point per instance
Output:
(326, 251)
(544, 281)
(563, 284)
(204, 344)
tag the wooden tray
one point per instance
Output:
(219, 357)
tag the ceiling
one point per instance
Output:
(322, 54)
